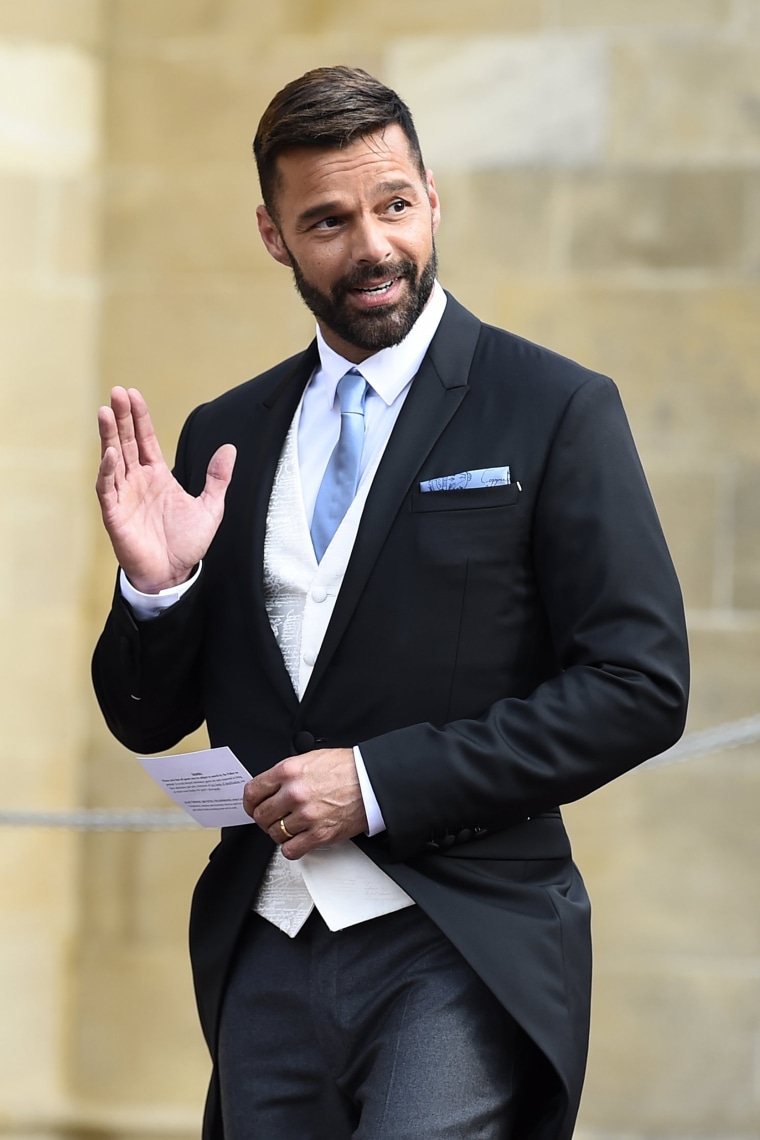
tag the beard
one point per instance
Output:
(377, 328)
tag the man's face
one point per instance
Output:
(356, 226)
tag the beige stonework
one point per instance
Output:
(634, 13)
(49, 96)
(683, 357)
(598, 166)
(690, 503)
(685, 100)
(426, 15)
(71, 21)
(519, 100)
(639, 220)
(505, 221)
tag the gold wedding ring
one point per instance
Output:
(285, 831)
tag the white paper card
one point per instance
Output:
(208, 784)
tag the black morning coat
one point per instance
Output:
(495, 653)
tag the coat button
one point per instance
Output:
(303, 741)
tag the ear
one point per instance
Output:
(271, 236)
(435, 202)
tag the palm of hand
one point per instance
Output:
(158, 531)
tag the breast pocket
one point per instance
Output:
(482, 499)
(456, 527)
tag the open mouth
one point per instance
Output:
(377, 295)
(377, 290)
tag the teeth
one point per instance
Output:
(378, 288)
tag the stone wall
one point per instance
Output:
(50, 147)
(599, 166)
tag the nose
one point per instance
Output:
(371, 244)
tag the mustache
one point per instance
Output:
(361, 277)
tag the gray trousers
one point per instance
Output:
(378, 1032)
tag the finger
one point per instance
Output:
(114, 467)
(105, 484)
(218, 476)
(301, 844)
(258, 790)
(109, 436)
(284, 830)
(145, 436)
(269, 812)
(121, 407)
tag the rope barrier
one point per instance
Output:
(732, 735)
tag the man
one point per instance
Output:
(436, 604)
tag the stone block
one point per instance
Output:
(205, 221)
(49, 109)
(496, 223)
(747, 539)
(688, 501)
(219, 27)
(752, 224)
(38, 867)
(20, 237)
(42, 514)
(47, 358)
(33, 996)
(182, 109)
(488, 102)
(404, 19)
(113, 1057)
(74, 238)
(44, 675)
(679, 844)
(725, 665)
(137, 886)
(644, 220)
(684, 358)
(673, 1052)
(747, 15)
(685, 100)
(127, 897)
(648, 13)
(172, 18)
(187, 339)
(74, 21)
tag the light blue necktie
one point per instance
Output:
(341, 477)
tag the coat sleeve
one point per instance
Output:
(614, 610)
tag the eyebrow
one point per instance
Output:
(325, 209)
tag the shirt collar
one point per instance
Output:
(389, 371)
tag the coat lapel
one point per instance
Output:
(437, 391)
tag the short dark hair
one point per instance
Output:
(330, 107)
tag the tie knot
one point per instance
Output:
(352, 388)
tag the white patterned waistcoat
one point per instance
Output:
(341, 881)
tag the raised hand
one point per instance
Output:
(157, 530)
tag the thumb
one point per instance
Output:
(218, 476)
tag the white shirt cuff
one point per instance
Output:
(146, 606)
(375, 821)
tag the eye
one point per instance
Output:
(330, 223)
(397, 206)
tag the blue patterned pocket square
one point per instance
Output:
(469, 480)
